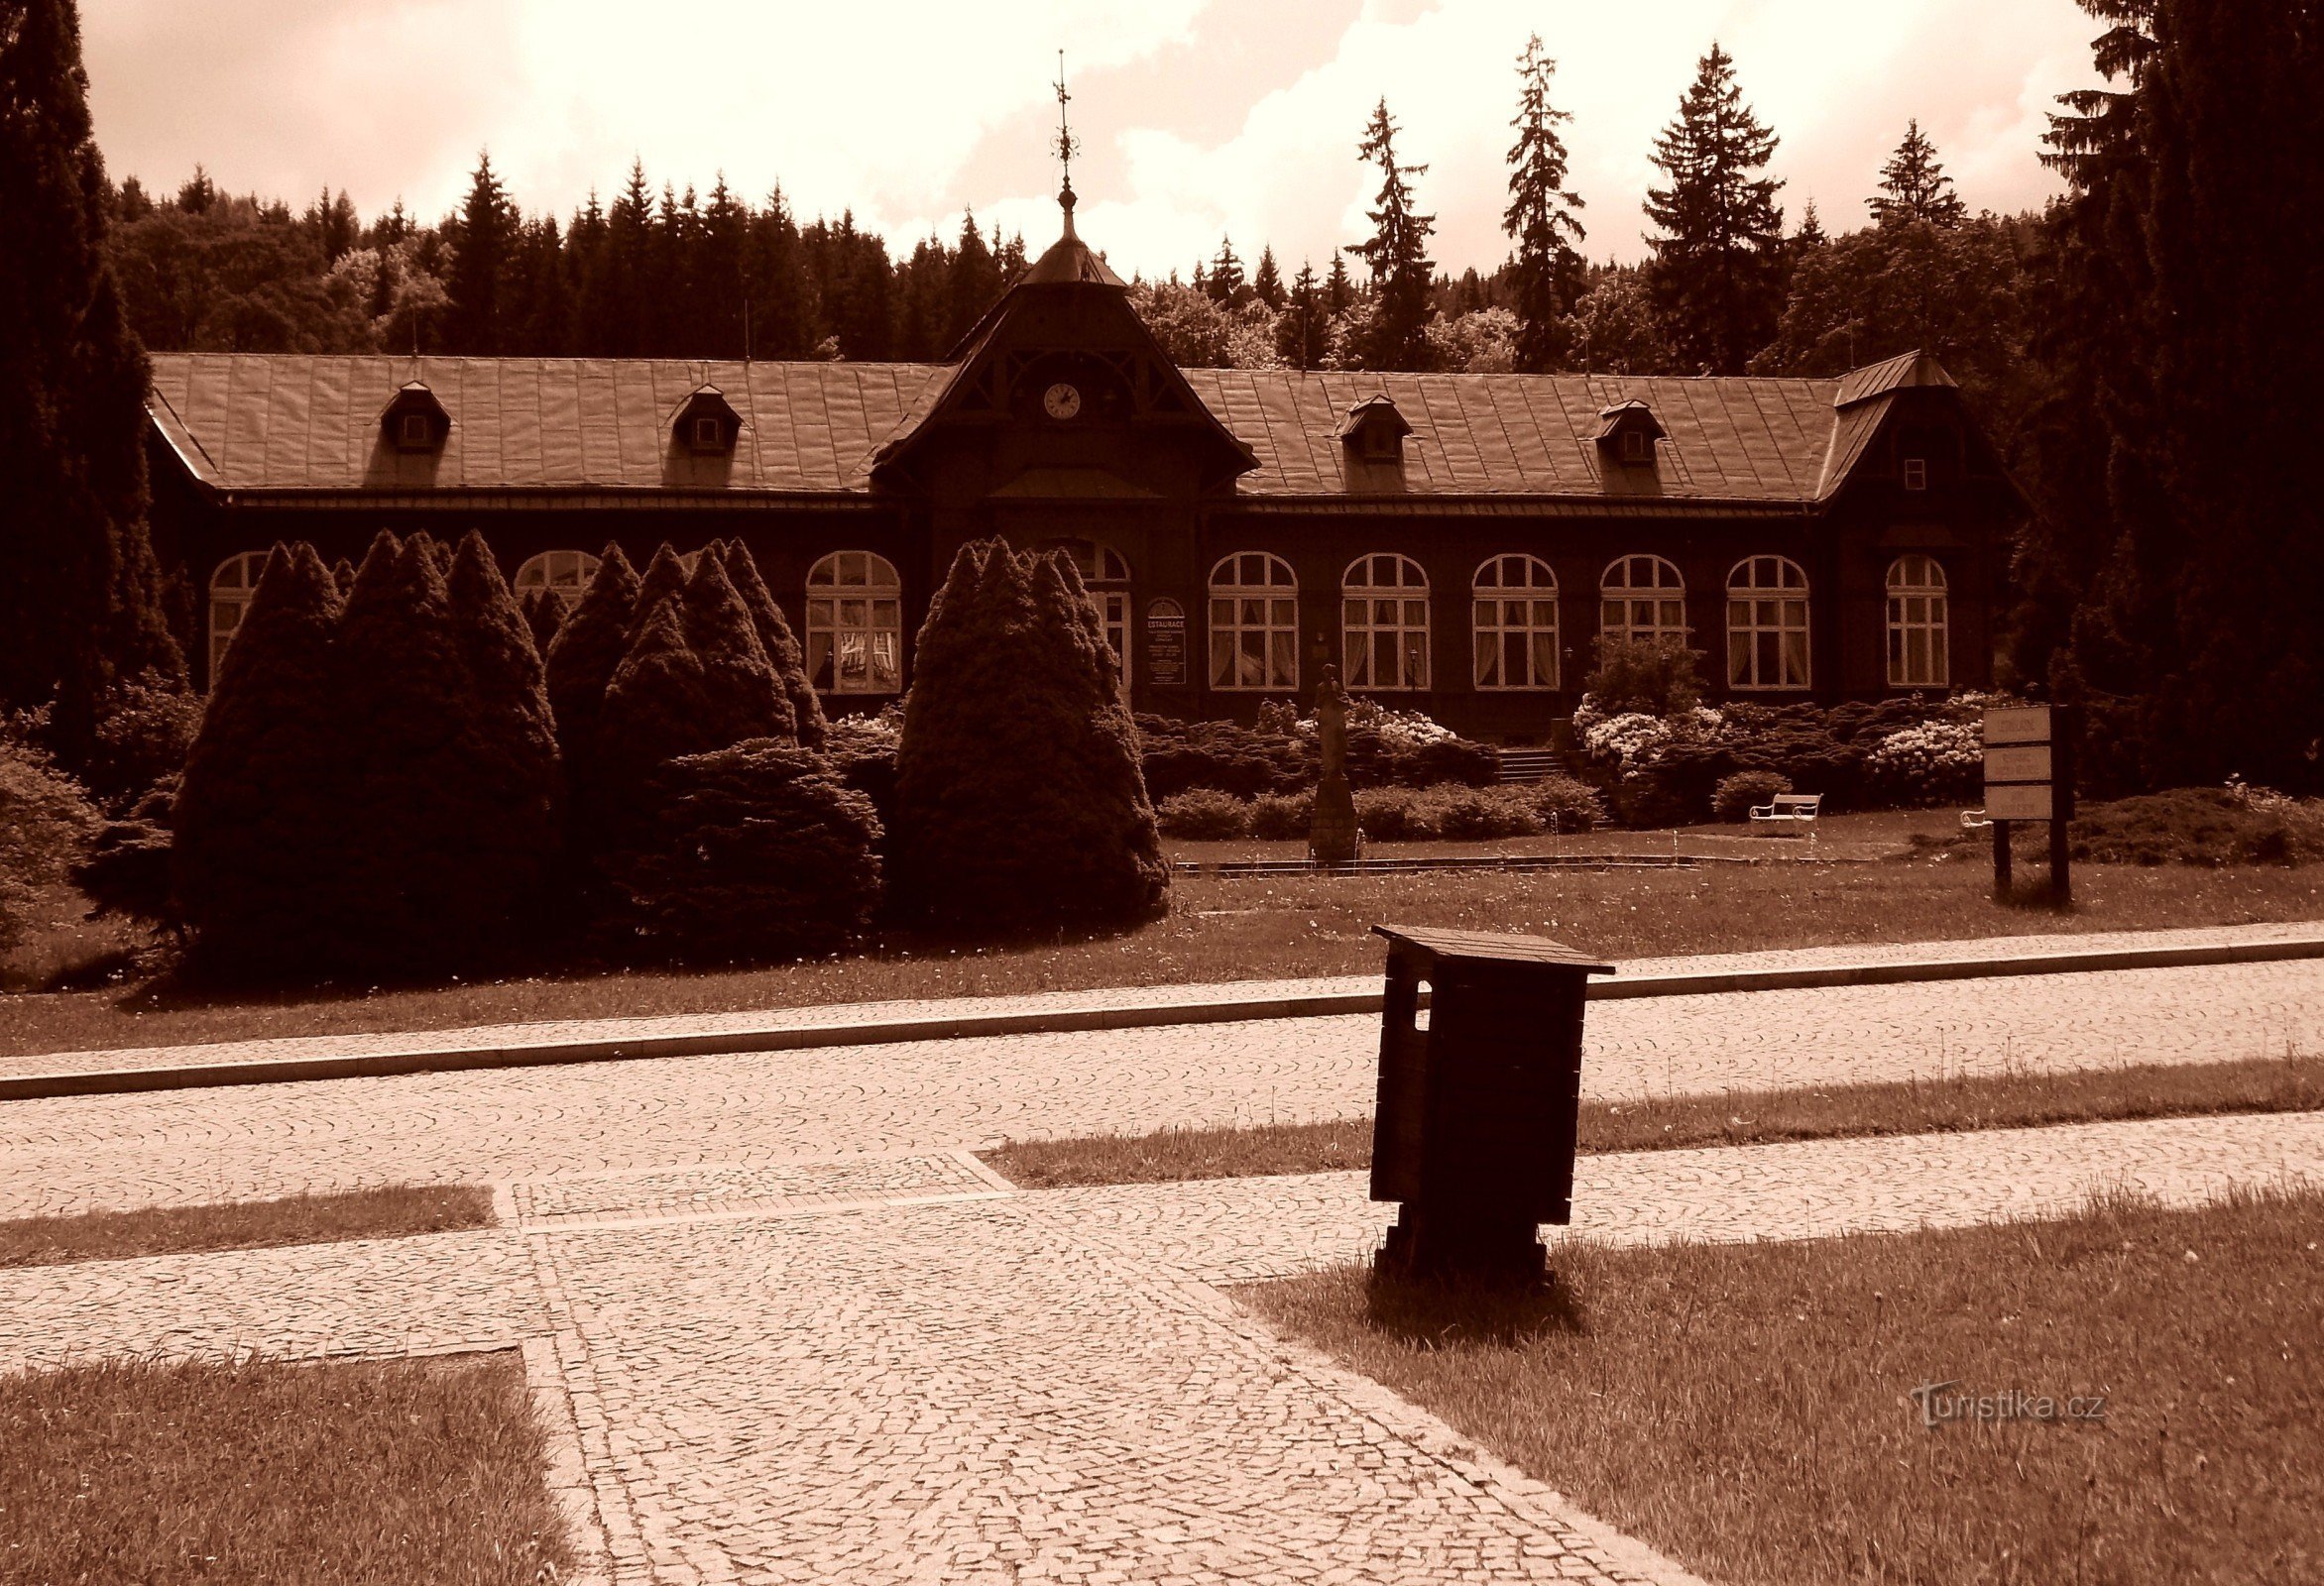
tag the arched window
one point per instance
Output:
(1643, 599)
(564, 574)
(231, 586)
(1917, 625)
(1255, 623)
(1105, 573)
(855, 625)
(1516, 624)
(1767, 624)
(1384, 623)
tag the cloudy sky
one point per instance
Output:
(1198, 117)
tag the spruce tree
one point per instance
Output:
(2201, 627)
(1913, 187)
(485, 246)
(257, 818)
(1225, 281)
(1717, 267)
(343, 576)
(1397, 253)
(1020, 800)
(80, 589)
(1303, 333)
(1338, 290)
(1543, 215)
(775, 637)
(1267, 280)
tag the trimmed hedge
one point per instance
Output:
(2202, 826)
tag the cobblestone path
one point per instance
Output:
(841, 1015)
(76, 1154)
(896, 1368)
(786, 1327)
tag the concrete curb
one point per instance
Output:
(1065, 1021)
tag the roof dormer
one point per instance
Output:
(1372, 438)
(414, 421)
(1627, 432)
(706, 424)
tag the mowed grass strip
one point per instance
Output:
(1225, 930)
(394, 1212)
(2291, 1083)
(1749, 1410)
(277, 1474)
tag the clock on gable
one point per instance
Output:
(1062, 401)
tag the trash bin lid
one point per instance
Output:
(1498, 946)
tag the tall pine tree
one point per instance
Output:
(1913, 185)
(1543, 217)
(1267, 280)
(2202, 628)
(1716, 272)
(1397, 253)
(484, 258)
(1304, 331)
(79, 590)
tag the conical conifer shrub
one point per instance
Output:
(695, 679)
(1020, 802)
(343, 576)
(581, 660)
(509, 830)
(410, 898)
(666, 575)
(257, 818)
(544, 614)
(777, 638)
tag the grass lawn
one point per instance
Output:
(389, 1214)
(1884, 833)
(1733, 1118)
(1235, 929)
(1749, 1410)
(386, 1472)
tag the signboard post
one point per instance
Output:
(2029, 776)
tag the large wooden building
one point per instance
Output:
(1452, 542)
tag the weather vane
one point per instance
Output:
(1065, 144)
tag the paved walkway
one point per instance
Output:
(75, 1154)
(845, 1015)
(901, 1371)
(786, 1327)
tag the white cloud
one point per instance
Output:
(899, 108)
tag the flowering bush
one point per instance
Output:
(1939, 761)
(46, 822)
(847, 735)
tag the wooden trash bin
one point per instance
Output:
(1475, 1131)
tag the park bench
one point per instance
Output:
(1789, 812)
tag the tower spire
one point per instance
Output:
(1065, 146)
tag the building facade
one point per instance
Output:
(1454, 543)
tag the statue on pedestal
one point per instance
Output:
(1332, 837)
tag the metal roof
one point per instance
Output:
(285, 423)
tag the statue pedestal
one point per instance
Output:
(1332, 839)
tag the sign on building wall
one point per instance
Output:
(1165, 645)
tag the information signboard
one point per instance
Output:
(2029, 776)
(1165, 645)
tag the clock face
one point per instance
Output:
(1061, 401)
